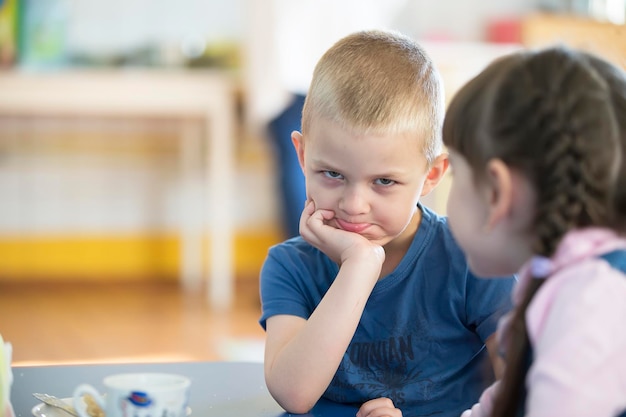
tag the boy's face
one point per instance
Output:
(371, 182)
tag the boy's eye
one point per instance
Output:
(332, 174)
(384, 181)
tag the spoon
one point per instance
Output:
(56, 402)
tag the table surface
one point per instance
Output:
(220, 389)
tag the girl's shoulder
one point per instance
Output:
(586, 295)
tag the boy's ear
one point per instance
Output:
(298, 144)
(435, 173)
(500, 193)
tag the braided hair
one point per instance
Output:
(548, 115)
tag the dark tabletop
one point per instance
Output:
(220, 389)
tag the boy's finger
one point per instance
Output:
(378, 408)
(383, 412)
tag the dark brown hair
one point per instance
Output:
(549, 115)
(616, 80)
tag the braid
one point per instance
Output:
(561, 200)
(572, 188)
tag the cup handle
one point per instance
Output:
(79, 404)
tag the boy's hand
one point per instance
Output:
(338, 244)
(379, 407)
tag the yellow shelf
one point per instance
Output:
(131, 257)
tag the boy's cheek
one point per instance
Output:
(314, 193)
(322, 202)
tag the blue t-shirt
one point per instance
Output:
(420, 340)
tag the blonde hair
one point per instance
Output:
(378, 82)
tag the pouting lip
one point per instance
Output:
(352, 227)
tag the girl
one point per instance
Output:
(536, 155)
(535, 146)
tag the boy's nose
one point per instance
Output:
(354, 201)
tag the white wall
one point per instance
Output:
(114, 25)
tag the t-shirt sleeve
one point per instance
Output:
(487, 299)
(282, 289)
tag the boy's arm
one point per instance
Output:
(302, 356)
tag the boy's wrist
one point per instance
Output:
(373, 254)
(370, 261)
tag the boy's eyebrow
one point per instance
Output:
(396, 176)
(391, 174)
(322, 162)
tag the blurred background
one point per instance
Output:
(140, 187)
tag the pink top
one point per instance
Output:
(577, 327)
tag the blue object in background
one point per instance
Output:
(290, 178)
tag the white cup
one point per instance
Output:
(138, 395)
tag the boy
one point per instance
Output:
(375, 298)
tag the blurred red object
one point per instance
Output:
(505, 30)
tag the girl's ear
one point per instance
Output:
(298, 144)
(435, 173)
(500, 191)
